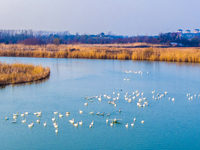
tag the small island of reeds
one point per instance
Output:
(21, 73)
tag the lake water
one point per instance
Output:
(168, 124)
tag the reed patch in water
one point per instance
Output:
(21, 73)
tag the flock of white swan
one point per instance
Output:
(190, 97)
(135, 72)
(129, 97)
(142, 102)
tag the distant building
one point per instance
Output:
(196, 31)
(180, 30)
(187, 31)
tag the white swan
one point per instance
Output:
(26, 113)
(67, 114)
(86, 103)
(111, 124)
(14, 117)
(39, 113)
(132, 124)
(60, 115)
(92, 113)
(53, 119)
(90, 126)
(24, 121)
(173, 99)
(134, 119)
(126, 125)
(107, 120)
(6, 118)
(142, 121)
(45, 124)
(92, 123)
(80, 123)
(108, 114)
(71, 121)
(56, 125)
(31, 125)
(16, 114)
(56, 130)
(38, 121)
(14, 121)
(80, 111)
(76, 124)
(55, 113)
(35, 113)
(102, 114)
(109, 97)
(22, 115)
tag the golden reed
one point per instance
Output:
(21, 73)
(109, 51)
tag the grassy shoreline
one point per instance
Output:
(136, 51)
(21, 73)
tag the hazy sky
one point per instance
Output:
(124, 17)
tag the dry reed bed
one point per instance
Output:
(21, 73)
(112, 51)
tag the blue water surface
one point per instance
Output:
(168, 124)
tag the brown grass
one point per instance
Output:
(108, 51)
(21, 73)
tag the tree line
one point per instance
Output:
(31, 38)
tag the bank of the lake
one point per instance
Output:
(21, 73)
(135, 51)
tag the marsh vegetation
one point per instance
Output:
(21, 73)
(136, 51)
